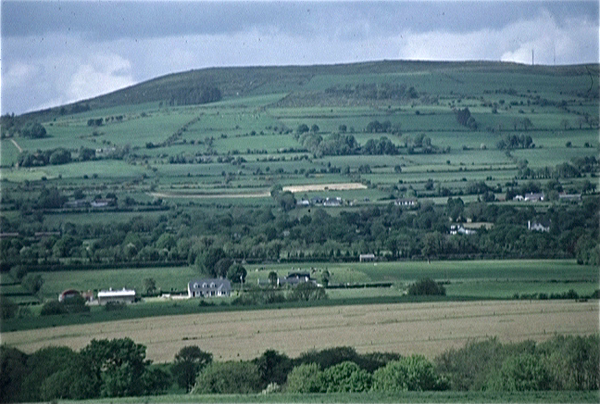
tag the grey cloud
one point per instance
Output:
(139, 20)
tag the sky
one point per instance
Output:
(57, 52)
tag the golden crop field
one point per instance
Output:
(427, 328)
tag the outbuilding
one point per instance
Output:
(116, 296)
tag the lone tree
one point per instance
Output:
(273, 278)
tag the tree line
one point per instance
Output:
(119, 368)
(259, 234)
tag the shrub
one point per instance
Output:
(53, 307)
(346, 377)
(522, 372)
(228, 378)
(307, 378)
(8, 308)
(426, 286)
(413, 373)
(307, 291)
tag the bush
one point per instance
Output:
(8, 308)
(307, 291)
(346, 377)
(426, 286)
(307, 378)
(414, 373)
(228, 378)
(52, 308)
(524, 372)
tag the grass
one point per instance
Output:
(372, 397)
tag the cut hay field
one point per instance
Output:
(427, 328)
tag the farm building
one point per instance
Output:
(534, 197)
(295, 278)
(68, 294)
(116, 296)
(209, 288)
(366, 257)
(460, 229)
(570, 198)
(405, 202)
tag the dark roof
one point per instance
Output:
(209, 284)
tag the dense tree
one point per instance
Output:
(189, 361)
(273, 278)
(13, 371)
(33, 131)
(273, 367)
(149, 286)
(8, 308)
(237, 273)
(33, 283)
(117, 366)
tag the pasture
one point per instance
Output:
(463, 279)
(426, 328)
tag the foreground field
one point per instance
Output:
(406, 397)
(427, 328)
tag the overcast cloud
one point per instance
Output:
(59, 52)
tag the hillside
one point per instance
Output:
(244, 81)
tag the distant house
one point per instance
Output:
(316, 200)
(295, 278)
(366, 257)
(518, 198)
(533, 197)
(536, 226)
(102, 203)
(116, 296)
(569, 198)
(303, 202)
(460, 229)
(209, 288)
(405, 202)
(79, 203)
(336, 201)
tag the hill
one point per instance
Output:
(244, 81)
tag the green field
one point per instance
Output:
(475, 279)
(407, 397)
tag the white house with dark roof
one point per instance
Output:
(209, 288)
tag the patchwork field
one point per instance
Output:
(427, 328)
